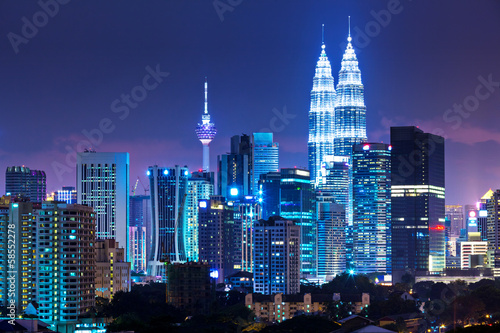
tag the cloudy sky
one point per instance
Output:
(71, 69)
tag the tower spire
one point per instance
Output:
(206, 96)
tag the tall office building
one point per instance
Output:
(321, 116)
(67, 194)
(350, 109)
(417, 200)
(24, 182)
(269, 189)
(482, 219)
(277, 257)
(17, 253)
(234, 169)
(295, 195)
(493, 233)
(65, 276)
(371, 165)
(455, 213)
(331, 238)
(265, 157)
(206, 132)
(139, 231)
(219, 245)
(103, 183)
(168, 202)
(200, 187)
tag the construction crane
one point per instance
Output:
(146, 189)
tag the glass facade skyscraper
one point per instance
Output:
(139, 231)
(321, 116)
(350, 109)
(265, 157)
(371, 164)
(168, 196)
(234, 169)
(22, 181)
(417, 201)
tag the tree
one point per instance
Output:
(337, 310)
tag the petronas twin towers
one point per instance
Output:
(337, 119)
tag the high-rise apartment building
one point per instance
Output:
(417, 200)
(27, 183)
(139, 231)
(200, 187)
(65, 273)
(219, 243)
(265, 157)
(168, 202)
(371, 165)
(321, 116)
(493, 233)
(206, 132)
(17, 253)
(103, 183)
(455, 213)
(277, 257)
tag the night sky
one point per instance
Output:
(259, 57)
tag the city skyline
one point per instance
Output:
(414, 71)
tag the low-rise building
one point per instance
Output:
(112, 271)
(357, 301)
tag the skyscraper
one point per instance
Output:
(350, 109)
(331, 239)
(206, 132)
(67, 194)
(102, 183)
(265, 157)
(493, 233)
(371, 165)
(295, 195)
(200, 187)
(321, 115)
(417, 200)
(22, 181)
(455, 213)
(168, 197)
(139, 231)
(277, 257)
(218, 241)
(234, 169)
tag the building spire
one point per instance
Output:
(323, 34)
(206, 96)
(349, 36)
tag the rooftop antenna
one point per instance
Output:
(206, 96)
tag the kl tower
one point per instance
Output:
(206, 132)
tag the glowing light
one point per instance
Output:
(351, 271)
(214, 274)
(165, 172)
(366, 147)
(438, 227)
(390, 148)
(148, 173)
(472, 213)
(260, 199)
(186, 173)
(203, 204)
(233, 191)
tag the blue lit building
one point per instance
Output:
(206, 132)
(25, 182)
(66, 194)
(321, 116)
(168, 197)
(269, 189)
(350, 109)
(139, 231)
(371, 208)
(331, 238)
(265, 157)
(234, 169)
(417, 201)
(295, 195)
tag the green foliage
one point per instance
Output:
(337, 310)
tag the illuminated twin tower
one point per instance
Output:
(206, 132)
(337, 119)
